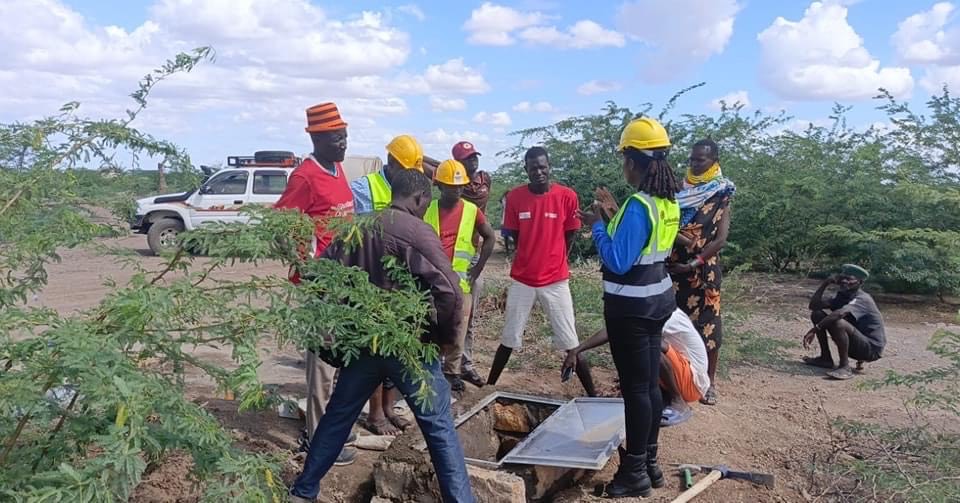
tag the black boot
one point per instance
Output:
(631, 479)
(499, 361)
(653, 469)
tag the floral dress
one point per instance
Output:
(698, 292)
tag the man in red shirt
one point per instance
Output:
(476, 191)
(459, 223)
(319, 188)
(542, 217)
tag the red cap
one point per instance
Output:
(463, 150)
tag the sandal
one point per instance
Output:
(819, 361)
(381, 427)
(710, 397)
(399, 422)
(841, 373)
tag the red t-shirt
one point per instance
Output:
(314, 191)
(541, 222)
(450, 225)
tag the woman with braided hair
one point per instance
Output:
(695, 264)
(638, 295)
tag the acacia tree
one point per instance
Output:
(887, 197)
(89, 401)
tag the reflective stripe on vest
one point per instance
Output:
(648, 277)
(380, 192)
(463, 250)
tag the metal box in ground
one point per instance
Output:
(548, 443)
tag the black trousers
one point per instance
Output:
(635, 346)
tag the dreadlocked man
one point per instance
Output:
(638, 296)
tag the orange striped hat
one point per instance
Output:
(324, 117)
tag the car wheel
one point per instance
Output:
(163, 235)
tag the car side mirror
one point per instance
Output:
(205, 189)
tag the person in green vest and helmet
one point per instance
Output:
(457, 222)
(638, 296)
(372, 193)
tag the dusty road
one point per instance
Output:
(773, 417)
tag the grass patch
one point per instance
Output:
(881, 464)
(747, 347)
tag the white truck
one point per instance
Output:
(257, 179)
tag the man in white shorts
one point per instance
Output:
(541, 217)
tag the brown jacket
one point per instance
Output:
(416, 245)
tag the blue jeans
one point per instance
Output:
(356, 383)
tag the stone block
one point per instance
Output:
(496, 486)
(512, 418)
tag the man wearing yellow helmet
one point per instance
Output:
(638, 296)
(457, 222)
(372, 192)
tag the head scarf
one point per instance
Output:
(698, 189)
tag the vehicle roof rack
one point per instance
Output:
(248, 161)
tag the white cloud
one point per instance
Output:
(582, 35)
(440, 104)
(682, 34)
(499, 119)
(527, 107)
(936, 77)
(358, 61)
(492, 24)
(455, 76)
(413, 10)
(924, 38)
(497, 25)
(821, 57)
(442, 137)
(598, 87)
(731, 99)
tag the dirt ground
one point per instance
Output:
(772, 418)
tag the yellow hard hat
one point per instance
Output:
(407, 151)
(644, 134)
(451, 172)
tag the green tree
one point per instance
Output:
(806, 200)
(89, 401)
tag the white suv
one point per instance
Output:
(257, 179)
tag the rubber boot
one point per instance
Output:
(586, 379)
(499, 362)
(653, 469)
(631, 479)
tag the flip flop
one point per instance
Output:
(399, 422)
(383, 427)
(840, 374)
(818, 362)
(710, 397)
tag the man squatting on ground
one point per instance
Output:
(854, 323)
(402, 234)
(542, 217)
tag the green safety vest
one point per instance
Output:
(463, 250)
(648, 283)
(380, 191)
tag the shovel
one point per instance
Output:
(715, 473)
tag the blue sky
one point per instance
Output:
(473, 70)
